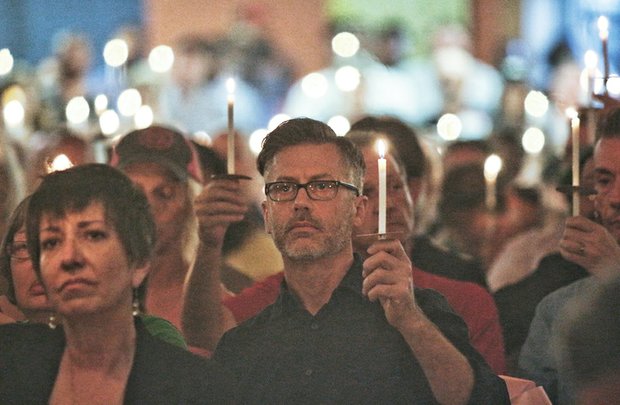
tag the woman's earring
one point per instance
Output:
(135, 304)
(51, 322)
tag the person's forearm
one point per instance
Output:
(450, 376)
(204, 319)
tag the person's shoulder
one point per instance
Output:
(158, 361)
(555, 301)
(25, 333)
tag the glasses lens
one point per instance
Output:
(322, 190)
(282, 191)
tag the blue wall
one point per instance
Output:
(27, 27)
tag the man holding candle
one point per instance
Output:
(205, 319)
(343, 330)
(592, 244)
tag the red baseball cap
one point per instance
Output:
(161, 145)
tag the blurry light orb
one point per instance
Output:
(143, 117)
(129, 101)
(109, 122)
(449, 127)
(77, 110)
(492, 166)
(276, 120)
(536, 103)
(613, 85)
(533, 140)
(314, 85)
(101, 103)
(161, 58)
(115, 52)
(13, 113)
(339, 124)
(6, 61)
(347, 78)
(202, 138)
(256, 140)
(345, 44)
(590, 59)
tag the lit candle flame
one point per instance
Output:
(571, 113)
(381, 148)
(230, 87)
(60, 162)
(492, 167)
(603, 27)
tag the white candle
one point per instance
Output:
(381, 163)
(492, 166)
(574, 123)
(230, 158)
(603, 33)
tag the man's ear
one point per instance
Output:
(266, 216)
(361, 205)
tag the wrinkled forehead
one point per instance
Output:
(307, 161)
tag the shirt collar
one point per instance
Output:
(352, 281)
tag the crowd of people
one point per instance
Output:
(155, 276)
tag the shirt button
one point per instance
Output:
(314, 326)
(308, 372)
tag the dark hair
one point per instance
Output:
(404, 139)
(15, 223)
(609, 125)
(365, 139)
(463, 188)
(299, 131)
(125, 205)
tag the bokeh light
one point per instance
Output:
(161, 58)
(339, 124)
(345, 44)
(143, 117)
(536, 103)
(449, 127)
(129, 101)
(6, 61)
(347, 78)
(256, 140)
(77, 110)
(533, 140)
(115, 52)
(314, 85)
(109, 122)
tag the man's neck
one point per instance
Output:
(314, 281)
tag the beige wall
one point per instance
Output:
(294, 27)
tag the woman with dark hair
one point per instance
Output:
(90, 235)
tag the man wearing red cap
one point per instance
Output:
(164, 164)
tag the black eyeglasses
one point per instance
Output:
(18, 250)
(321, 190)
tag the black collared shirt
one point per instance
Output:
(346, 353)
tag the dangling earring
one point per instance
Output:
(135, 304)
(51, 322)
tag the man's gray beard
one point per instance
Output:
(332, 245)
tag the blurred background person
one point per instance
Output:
(194, 99)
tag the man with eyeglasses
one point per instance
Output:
(343, 330)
